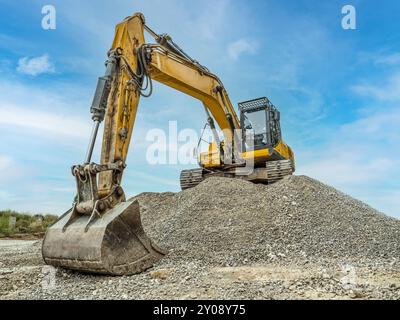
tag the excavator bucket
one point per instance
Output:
(114, 243)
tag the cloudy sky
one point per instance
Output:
(338, 90)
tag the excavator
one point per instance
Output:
(102, 232)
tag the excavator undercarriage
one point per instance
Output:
(273, 171)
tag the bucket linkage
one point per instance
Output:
(100, 235)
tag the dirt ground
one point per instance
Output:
(24, 276)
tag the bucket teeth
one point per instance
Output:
(114, 244)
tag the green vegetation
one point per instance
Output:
(13, 223)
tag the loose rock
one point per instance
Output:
(231, 239)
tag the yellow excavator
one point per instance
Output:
(102, 232)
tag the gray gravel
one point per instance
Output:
(230, 239)
(225, 221)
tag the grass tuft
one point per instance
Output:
(14, 223)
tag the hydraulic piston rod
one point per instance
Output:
(99, 104)
(92, 141)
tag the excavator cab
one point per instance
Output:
(260, 121)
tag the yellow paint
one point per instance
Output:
(175, 72)
(211, 158)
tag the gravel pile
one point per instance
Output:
(230, 239)
(229, 222)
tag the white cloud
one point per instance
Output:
(355, 157)
(391, 59)
(56, 112)
(56, 124)
(377, 126)
(360, 163)
(9, 170)
(387, 201)
(35, 66)
(146, 177)
(348, 170)
(390, 91)
(362, 157)
(213, 17)
(5, 162)
(241, 46)
(54, 97)
(5, 195)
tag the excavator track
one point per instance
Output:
(191, 178)
(277, 170)
(273, 171)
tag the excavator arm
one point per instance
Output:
(137, 64)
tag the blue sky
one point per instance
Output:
(338, 90)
